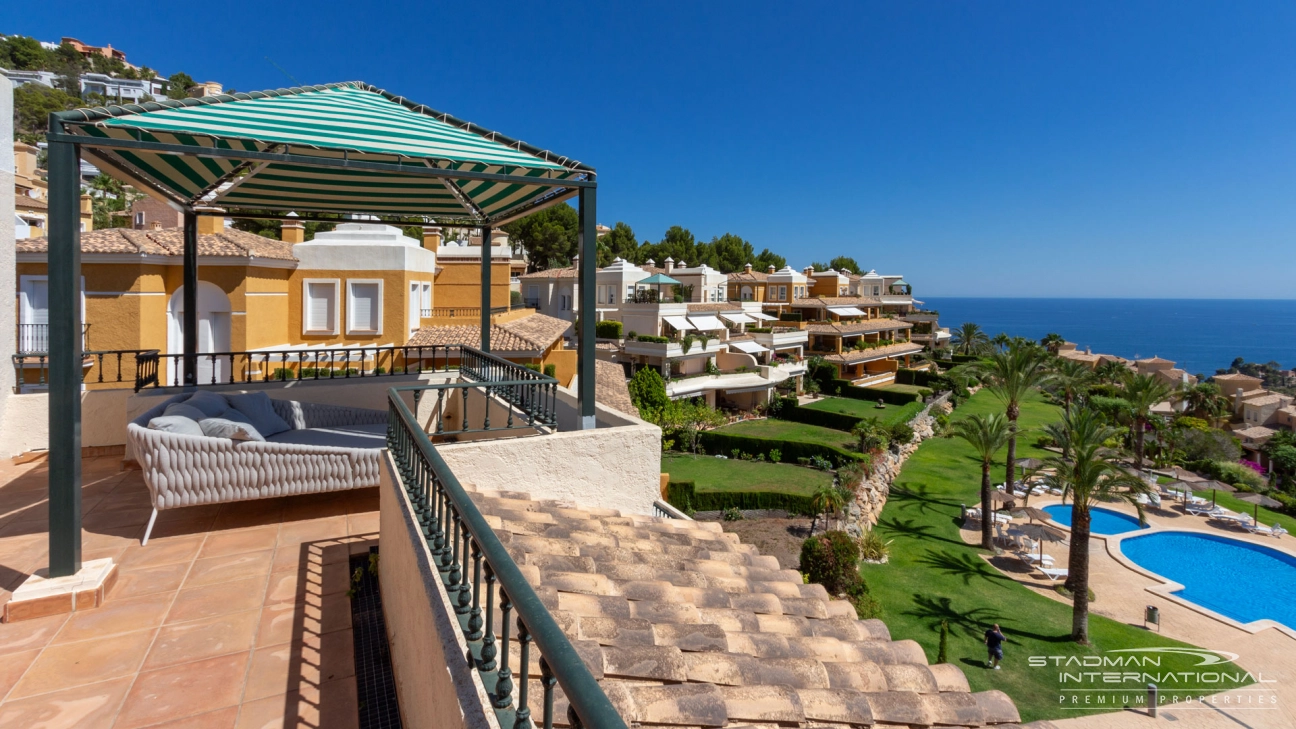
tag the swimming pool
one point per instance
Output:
(1101, 521)
(1237, 579)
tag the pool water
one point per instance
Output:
(1101, 521)
(1237, 579)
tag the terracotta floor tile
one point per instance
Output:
(287, 586)
(149, 580)
(160, 552)
(327, 614)
(83, 706)
(314, 506)
(28, 634)
(366, 523)
(291, 667)
(333, 706)
(222, 544)
(294, 557)
(186, 690)
(222, 599)
(180, 525)
(116, 537)
(12, 668)
(315, 530)
(126, 615)
(87, 661)
(124, 518)
(280, 623)
(226, 569)
(201, 639)
(244, 514)
(219, 719)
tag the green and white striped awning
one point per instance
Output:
(341, 148)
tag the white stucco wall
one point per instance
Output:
(364, 247)
(615, 466)
(8, 330)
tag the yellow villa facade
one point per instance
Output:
(360, 285)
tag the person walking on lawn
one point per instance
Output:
(994, 640)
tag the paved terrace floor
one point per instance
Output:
(1122, 594)
(233, 615)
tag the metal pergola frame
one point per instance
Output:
(64, 263)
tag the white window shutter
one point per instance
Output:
(364, 307)
(319, 315)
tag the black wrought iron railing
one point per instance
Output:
(121, 366)
(228, 368)
(484, 584)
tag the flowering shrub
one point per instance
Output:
(1254, 466)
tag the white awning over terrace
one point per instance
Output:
(678, 322)
(707, 323)
(739, 318)
(747, 347)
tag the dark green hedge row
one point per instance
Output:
(724, 443)
(921, 378)
(846, 389)
(682, 495)
(810, 416)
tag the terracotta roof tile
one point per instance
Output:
(562, 272)
(534, 333)
(826, 301)
(857, 327)
(27, 202)
(670, 653)
(865, 355)
(610, 387)
(170, 242)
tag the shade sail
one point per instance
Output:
(679, 322)
(738, 318)
(748, 347)
(706, 323)
(762, 317)
(392, 150)
(846, 311)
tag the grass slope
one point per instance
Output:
(867, 409)
(933, 575)
(709, 473)
(788, 430)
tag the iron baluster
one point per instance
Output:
(463, 607)
(488, 640)
(504, 679)
(548, 681)
(453, 586)
(523, 716)
(474, 614)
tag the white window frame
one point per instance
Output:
(139, 219)
(337, 308)
(565, 302)
(425, 299)
(351, 283)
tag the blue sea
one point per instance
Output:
(1200, 335)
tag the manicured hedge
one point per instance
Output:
(683, 495)
(810, 416)
(607, 330)
(921, 378)
(790, 450)
(846, 389)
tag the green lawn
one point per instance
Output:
(867, 409)
(709, 473)
(788, 430)
(933, 575)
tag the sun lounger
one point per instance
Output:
(1034, 559)
(1275, 531)
(1203, 510)
(1055, 574)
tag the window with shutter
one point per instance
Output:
(427, 299)
(320, 307)
(364, 307)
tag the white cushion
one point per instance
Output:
(176, 424)
(225, 428)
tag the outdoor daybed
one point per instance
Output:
(323, 448)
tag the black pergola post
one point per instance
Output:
(190, 299)
(588, 240)
(485, 287)
(64, 271)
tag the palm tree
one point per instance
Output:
(1207, 402)
(1143, 392)
(969, 338)
(1111, 372)
(1011, 375)
(1001, 340)
(827, 500)
(1052, 342)
(986, 434)
(1071, 381)
(1090, 476)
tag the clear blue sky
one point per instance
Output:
(979, 148)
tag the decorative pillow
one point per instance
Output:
(184, 410)
(236, 416)
(177, 424)
(224, 428)
(260, 413)
(210, 403)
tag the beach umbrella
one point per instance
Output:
(1183, 474)
(1183, 487)
(1214, 487)
(1028, 464)
(659, 280)
(1034, 513)
(1259, 500)
(1001, 497)
(1043, 533)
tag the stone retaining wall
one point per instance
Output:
(871, 493)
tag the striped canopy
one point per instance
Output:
(340, 148)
